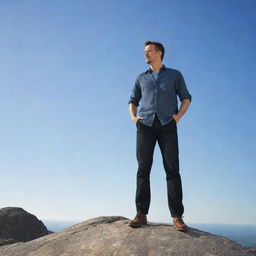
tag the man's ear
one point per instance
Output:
(159, 53)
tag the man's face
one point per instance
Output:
(151, 54)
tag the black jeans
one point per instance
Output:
(167, 139)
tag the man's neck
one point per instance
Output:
(155, 67)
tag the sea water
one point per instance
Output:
(242, 234)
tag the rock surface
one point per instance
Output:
(17, 225)
(252, 250)
(110, 236)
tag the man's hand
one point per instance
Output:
(135, 119)
(183, 108)
(133, 112)
(176, 118)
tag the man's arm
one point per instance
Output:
(183, 108)
(133, 112)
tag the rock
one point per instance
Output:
(17, 225)
(252, 250)
(110, 236)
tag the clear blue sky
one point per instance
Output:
(67, 144)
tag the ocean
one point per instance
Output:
(242, 234)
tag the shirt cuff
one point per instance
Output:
(187, 98)
(133, 102)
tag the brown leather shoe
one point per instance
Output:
(139, 220)
(179, 224)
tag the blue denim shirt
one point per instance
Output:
(159, 97)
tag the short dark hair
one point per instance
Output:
(158, 47)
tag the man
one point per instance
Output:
(155, 92)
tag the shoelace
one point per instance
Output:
(179, 220)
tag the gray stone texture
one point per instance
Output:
(17, 225)
(111, 236)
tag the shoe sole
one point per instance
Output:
(181, 229)
(136, 226)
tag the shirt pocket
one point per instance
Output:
(148, 87)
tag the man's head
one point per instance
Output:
(154, 51)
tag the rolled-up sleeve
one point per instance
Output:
(136, 94)
(181, 88)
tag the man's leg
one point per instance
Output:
(168, 143)
(146, 140)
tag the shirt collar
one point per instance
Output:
(162, 68)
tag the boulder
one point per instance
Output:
(17, 225)
(111, 236)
